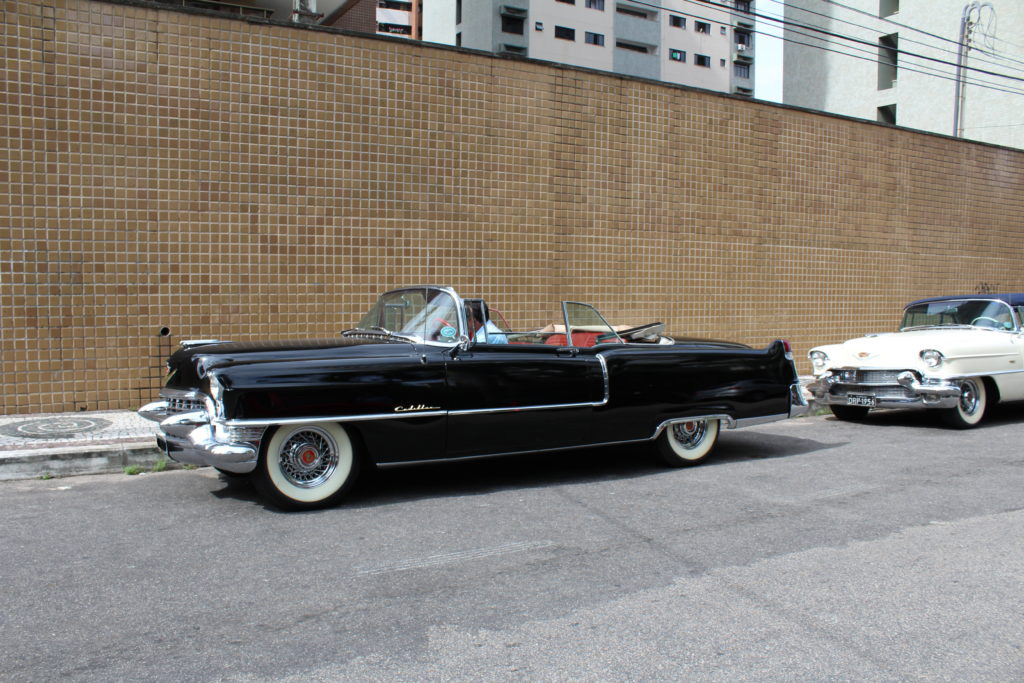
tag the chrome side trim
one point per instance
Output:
(266, 422)
(763, 420)
(729, 422)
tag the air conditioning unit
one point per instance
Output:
(741, 47)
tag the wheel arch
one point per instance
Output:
(992, 388)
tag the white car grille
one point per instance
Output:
(869, 376)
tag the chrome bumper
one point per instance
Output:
(831, 389)
(798, 403)
(192, 438)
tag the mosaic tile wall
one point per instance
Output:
(210, 177)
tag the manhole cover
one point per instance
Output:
(54, 427)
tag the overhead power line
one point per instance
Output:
(840, 36)
(872, 47)
(948, 50)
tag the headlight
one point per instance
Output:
(932, 358)
(819, 359)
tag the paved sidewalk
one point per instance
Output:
(75, 443)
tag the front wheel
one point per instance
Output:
(970, 409)
(687, 443)
(302, 467)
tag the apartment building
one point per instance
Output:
(707, 44)
(932, 66)
(384, 17)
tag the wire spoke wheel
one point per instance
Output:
(970, 408)
(687, 442)
(306, 466)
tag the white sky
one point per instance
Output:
(768, 51)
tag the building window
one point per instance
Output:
(633, 47)
(887, 114)
(677, 21)
(702, 60)
(742, 39)
(515, 25)
(458, 11)
(741, 70)
(595, 4)
(538, 26)
(568, 2)
(742, 5)
(722, 30)
(702, 27)
(399, 29)
(458, 39)
(395, 4)
(888, 49)
(595, 38)
(677, 55)
(887, 8)
(565, 33)
(630, 12)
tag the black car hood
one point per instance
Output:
(184, 363)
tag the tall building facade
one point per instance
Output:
(943, 66)
(691, 42)
(383, 17)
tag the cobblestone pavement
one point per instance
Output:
(74, 443)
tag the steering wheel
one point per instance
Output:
(995, 323)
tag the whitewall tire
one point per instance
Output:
(970, 410)
(306, 466)
(687, 442)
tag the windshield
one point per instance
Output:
(961, 312)
(425, 312)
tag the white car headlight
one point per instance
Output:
(932, 358)
(819, 359)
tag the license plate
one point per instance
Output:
(859, 400)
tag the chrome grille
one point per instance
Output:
(878, 376)
(184, 405)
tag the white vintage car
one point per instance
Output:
(956, 354)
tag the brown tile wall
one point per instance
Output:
(220, 178)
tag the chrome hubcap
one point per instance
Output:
(308, 458)
(968, 398)
(689, 434)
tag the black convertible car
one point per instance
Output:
(428, 376)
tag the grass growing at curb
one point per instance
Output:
(132, 470)
(160, 465)
(44, 476)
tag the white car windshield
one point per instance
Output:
(959, 313)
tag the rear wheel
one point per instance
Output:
(687, 443)
(850, 413)
(307, 466)
(970, 410)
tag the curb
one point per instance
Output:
(74, 460)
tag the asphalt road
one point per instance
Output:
(806, 550)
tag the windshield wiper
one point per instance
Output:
(378, 331)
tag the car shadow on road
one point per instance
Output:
(477, 477)
(382, 487)
(996, 415)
